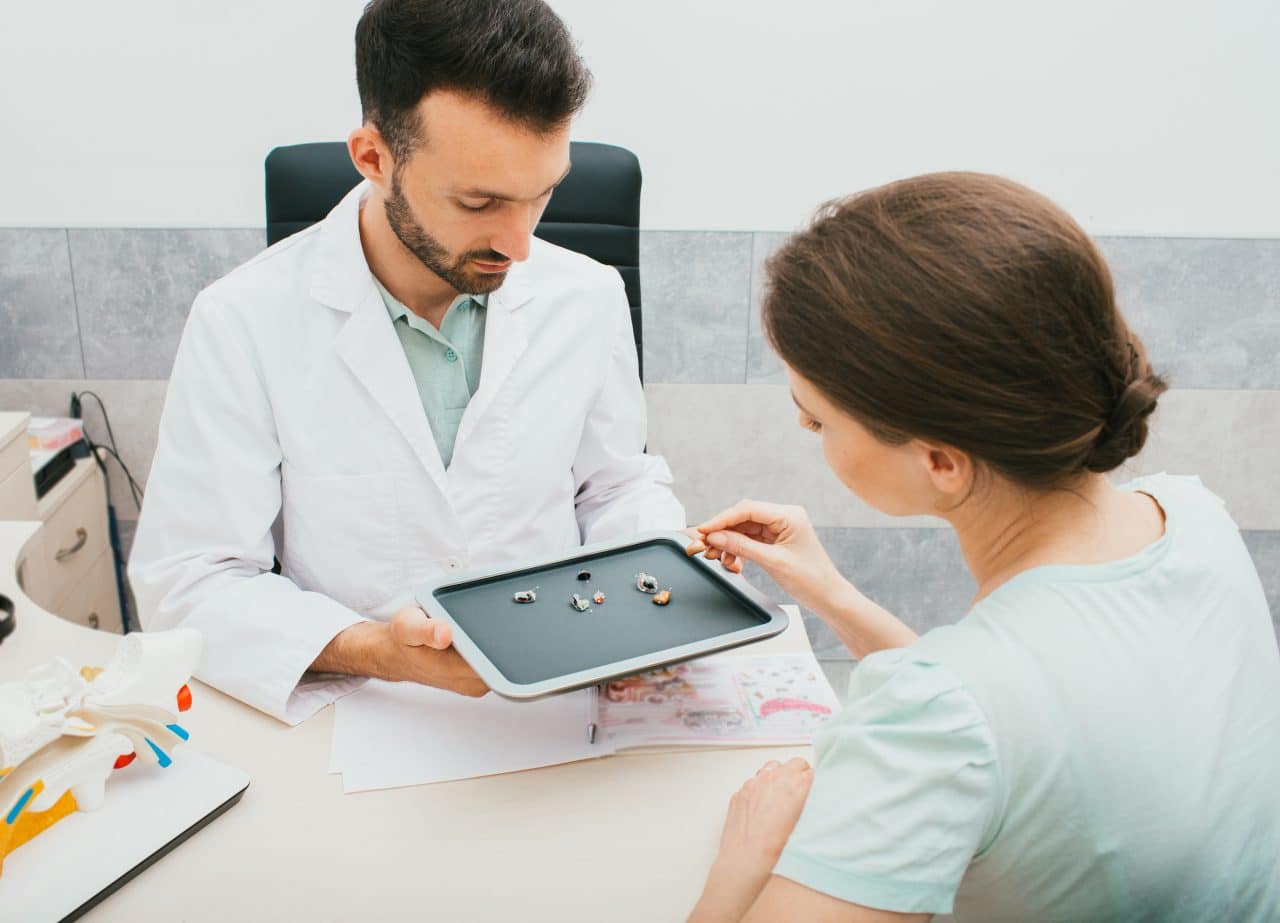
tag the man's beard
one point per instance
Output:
(433, 254)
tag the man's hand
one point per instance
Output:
(409, 648)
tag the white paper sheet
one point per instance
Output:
(387, 735)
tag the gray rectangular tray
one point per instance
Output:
(528, 650)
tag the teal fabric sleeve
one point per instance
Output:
(906, 786)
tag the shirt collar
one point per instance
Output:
(398, 309)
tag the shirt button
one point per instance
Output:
(451, 355)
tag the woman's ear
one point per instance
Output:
(950, 471)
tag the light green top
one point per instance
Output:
(1089, 743)
(445, 362)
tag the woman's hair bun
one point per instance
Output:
(1124, 432)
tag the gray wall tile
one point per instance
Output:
(763, 365)
(1228, 438)
(39, 332)
(128, 528)
(917, 574)
(1208, 310)
(920, 576)
(838, 672)
(134, 288)
(1265, 549)
(726, 442)
(696, 285)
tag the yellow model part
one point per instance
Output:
(31, 824)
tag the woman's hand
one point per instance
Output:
(782, 541)
(761, 817)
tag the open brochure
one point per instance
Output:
(388, 735)
(728, 700)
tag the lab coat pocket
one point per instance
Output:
(339, 537)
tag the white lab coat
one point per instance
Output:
(293, 428)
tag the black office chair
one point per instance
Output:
(595, 211)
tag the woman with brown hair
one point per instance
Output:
(1098, 737)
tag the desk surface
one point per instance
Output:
(627, 837)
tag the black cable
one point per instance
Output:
(111, 437)
(135, 489)
(134, 486)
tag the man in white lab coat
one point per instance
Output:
(411, 387)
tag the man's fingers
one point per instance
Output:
(415, 629)
(441, 635)
(474, 689)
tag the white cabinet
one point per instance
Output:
(17, 488)
(68, 568)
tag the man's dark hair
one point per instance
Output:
(514, 55)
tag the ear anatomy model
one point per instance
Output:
(63, 732)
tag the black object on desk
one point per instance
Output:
(55, 469)
(7, 617)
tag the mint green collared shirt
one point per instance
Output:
(445, 363)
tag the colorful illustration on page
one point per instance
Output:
(725, 699)
(785, 695)
(692, 702)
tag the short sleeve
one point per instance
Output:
(906, 786)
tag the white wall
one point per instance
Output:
(1141, 117)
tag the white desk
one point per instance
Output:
(615, 839)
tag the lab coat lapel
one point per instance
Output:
(506, 338)
(367, 342)
(368, 345)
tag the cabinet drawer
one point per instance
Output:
(75, 530)
(18, 494)
(29, 569)
(14, 453)
(94, 602)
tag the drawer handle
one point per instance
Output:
(82, 536)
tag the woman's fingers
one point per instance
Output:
(734, 545)
(746, 511)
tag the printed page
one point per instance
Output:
(724, 700)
